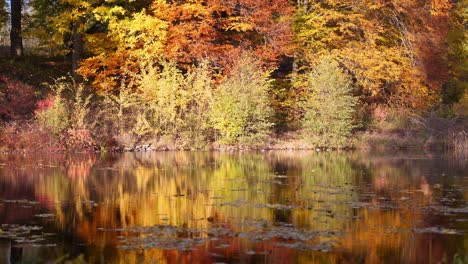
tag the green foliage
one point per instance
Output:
(80, 107)
(68, 108)
(329, 106)
(175, 105)
(240, 107)
(199, 86)
(160, 103)
(56, 117)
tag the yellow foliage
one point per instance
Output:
(372, 42)
(236, 24)
(440, 7)
(142, 34)
(129, 44)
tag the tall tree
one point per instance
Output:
(457, 40)
(16, 39)
(79, 27)
(220, 30)
(132, 43)
(77, 44)
(191, 31)
(377, 42)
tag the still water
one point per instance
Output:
(211, 207)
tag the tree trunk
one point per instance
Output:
(77, 52)
(16, 46)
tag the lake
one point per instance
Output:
(252, 207)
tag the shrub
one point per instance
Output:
(55, 117)
(162, 95)
(16, 99)
(115, 116)
(329, 106)
(79, 139)
(161, 103)
(198, 86)
(175, 105)
(80, 107)
(26, 136)
(58, 112)
(240, 107)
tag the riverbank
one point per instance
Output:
(432, 133)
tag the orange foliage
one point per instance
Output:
(396, 50)
(107, 71)
(219, 30)
(428, 25)
(196, 30)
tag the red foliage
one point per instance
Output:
(79, 139)
(27, 136)
(17, 99)
(44, 105)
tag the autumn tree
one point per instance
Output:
(190, 32)
(80, 27)
(373, 41)
(132, 43)
(220, 30)
(428, 25)
(61, 24)
(457, 40)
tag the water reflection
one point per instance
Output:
(274, 207)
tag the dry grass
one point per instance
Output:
(28, 136)
(416, 132)
(459, 143)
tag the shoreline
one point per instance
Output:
(388, 146)
(27, 136)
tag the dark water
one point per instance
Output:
(273, 207)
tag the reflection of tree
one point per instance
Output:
(187, 190)
(401, 188)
